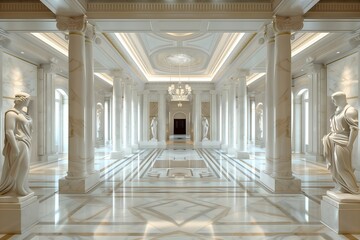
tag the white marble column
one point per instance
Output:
(241, 115)
(224, 117)
(135, 118)
(213, 113)
(77, 179)
(117, 106)
(297, 138)
(269, 101)
(46, 106)
(317, 110)
(197, 117)
(232, 116)
(281, 179)
(162, 119)
(127, 115)
(145, 112)
(90, 127)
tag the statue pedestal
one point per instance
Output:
(340, 212)
(18, 214)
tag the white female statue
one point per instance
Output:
(153, 126)
(18, 128)
(205, 128)
(339, 142)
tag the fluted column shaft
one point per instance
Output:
(213, 113)
(90, 98)
(162, 117)
(282, 95)
(232, 115)
(145, 111)
(117, 112)
(242, 114)
(224, 116)
(127, 114)
(197, 116)
(269, 99)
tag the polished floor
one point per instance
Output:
(179, 193)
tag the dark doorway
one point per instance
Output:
(179, 126)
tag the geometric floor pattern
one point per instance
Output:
(223, 200)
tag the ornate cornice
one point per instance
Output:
(77, 24)
(23, 7)
(336, 7)
(288, 24)
(180, 7)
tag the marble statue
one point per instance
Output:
(153, 126)
(260, 119)
(205, 128)
(339, 142)
(17, 146)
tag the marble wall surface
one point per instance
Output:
(19, 75)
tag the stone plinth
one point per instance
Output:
(340, 212)
(79, 185)
(278, 185)
(18, 214)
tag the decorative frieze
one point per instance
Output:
(288, 24)
(76, 24)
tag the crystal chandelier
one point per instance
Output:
(179, 92)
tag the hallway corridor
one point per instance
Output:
(218, 197)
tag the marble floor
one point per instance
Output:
(179, 193)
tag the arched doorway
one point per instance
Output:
(179, 123)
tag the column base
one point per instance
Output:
(18, 214)
(340, 212)
(117, 155)
(243, 155)
(79, 185)
(277, 185)
(210, 144)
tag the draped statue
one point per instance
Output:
(339, 142)
(18, 128)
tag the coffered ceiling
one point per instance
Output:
(160, 40)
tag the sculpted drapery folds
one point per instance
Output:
(18, 128)
(339, 142)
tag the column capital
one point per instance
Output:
(242, 74)
(213, 92)
(197, 92)
(116, 73)
(162, 92)
(287, 24)
(145, 92)
(269, 32)
(314, 67)
(90, 32)
(71, 24)
(355, 39)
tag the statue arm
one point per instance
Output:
(10, 124)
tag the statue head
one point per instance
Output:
(22, 98)
(339, 98)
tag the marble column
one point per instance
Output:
(297, 138)
(90, 127)
(46, 126)
(117, 106)
(269, 101)
(224, 117)
(127, 115)
(135, 118)
(242, 113)
(317, 109)
(232, 116)
(213, 117)
(77, 180)
(162, 119)
(197, 117)
(145, 112)
(282, 180)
